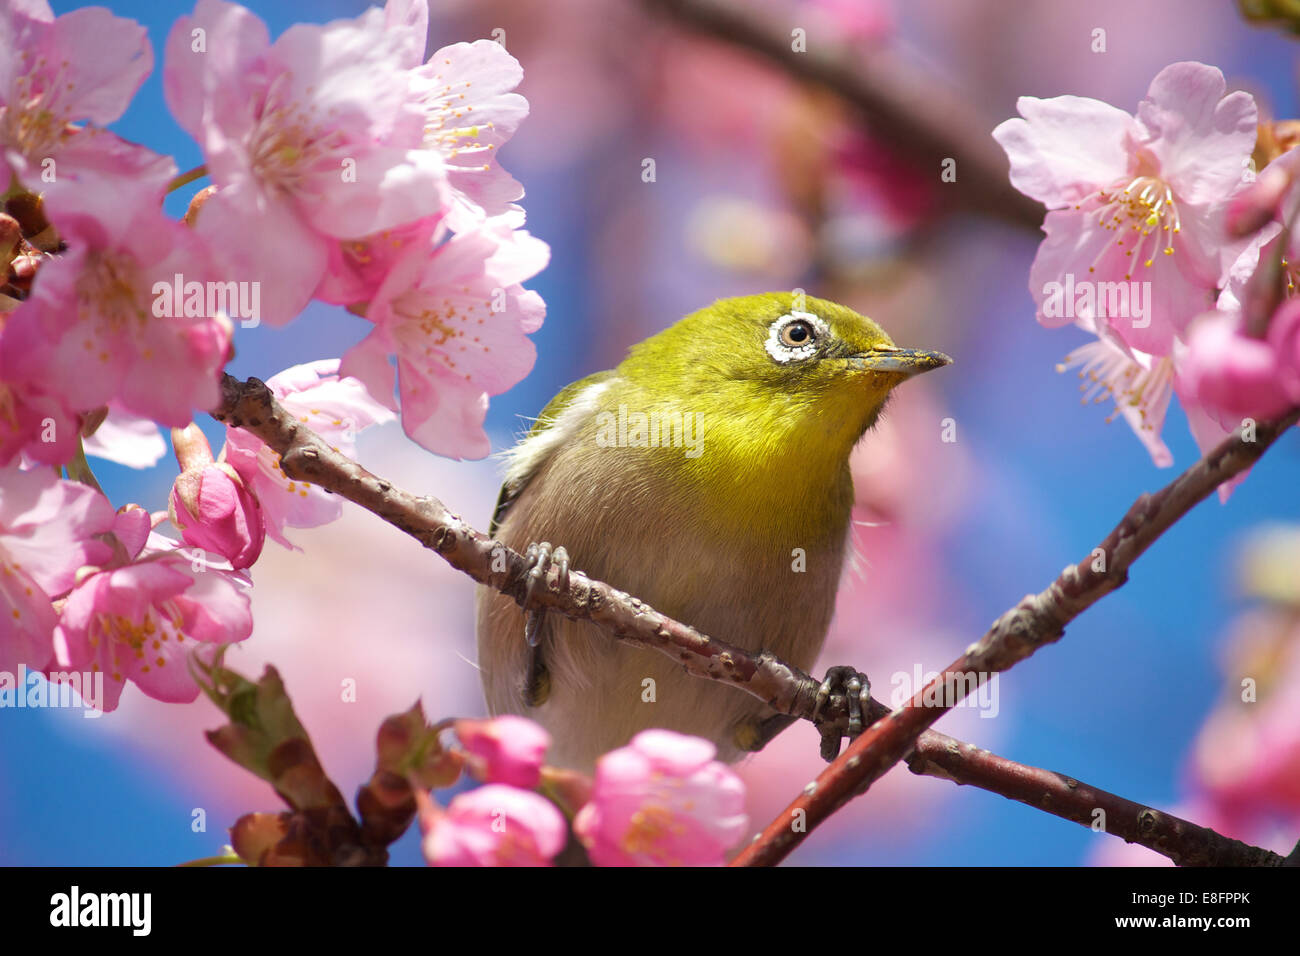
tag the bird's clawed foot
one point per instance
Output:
(855, 686)
(541, 556)
(537, 680)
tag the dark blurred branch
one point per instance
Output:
(916, 116)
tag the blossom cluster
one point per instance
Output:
(1156, 227)
(345, 167)
(660, 801)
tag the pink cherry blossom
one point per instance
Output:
(333, 407)
(457, 321)
(509, 749)
(47, 529)
(83, 66)
(211, 505)
(137, 622)
(1135, 199)
(314, 138)
(494, 825)
(470, 110)
(466, 92)
(95, 329)
(662, 800)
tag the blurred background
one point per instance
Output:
(766, 180)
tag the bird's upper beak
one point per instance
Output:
(905, 362)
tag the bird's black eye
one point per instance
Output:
(797, 333)
(794, 336)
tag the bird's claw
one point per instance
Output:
(856, 688)
(541, 556)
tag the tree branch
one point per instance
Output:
(922, 121)
(304, 456)
(1038, 620)
(937, 755)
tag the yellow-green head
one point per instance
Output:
(782, 386)
(780, 362)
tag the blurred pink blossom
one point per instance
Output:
(662, 801)
(1247, 755)
(509, 749)
(1235, 375)
(493, 825)
(34, 424)
(47, 529)
(334, 408)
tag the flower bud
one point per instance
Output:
(210, 504)
(508, 749)
(1232, 374)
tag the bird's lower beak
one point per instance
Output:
(905, 362)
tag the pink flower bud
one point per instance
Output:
(508, 749)
(494, 825)
(1233, 375)
(662, 800)
(215, 511)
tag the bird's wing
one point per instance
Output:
(562, 415)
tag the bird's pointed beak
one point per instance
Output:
(905, 362)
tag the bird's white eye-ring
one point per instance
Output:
(794, 336)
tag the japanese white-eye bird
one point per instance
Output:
(707, 475)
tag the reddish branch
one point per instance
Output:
(1187, 844)
(1038, 620)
